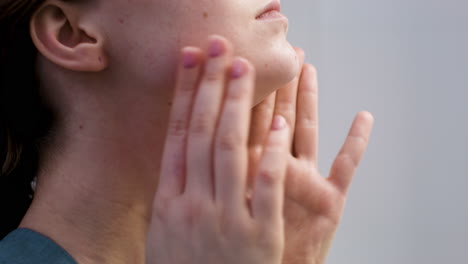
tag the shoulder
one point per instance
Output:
(24, 246)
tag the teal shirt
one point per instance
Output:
(24, 246)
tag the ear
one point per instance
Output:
(67, 37)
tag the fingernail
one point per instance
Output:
(238, 69)
(189, 59)
(215, 48)
(278, 123)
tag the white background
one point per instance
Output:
(406, 61)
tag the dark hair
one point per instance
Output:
(24, 118)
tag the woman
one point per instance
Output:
(100, 111)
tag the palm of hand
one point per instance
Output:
(312, 210)
(313, 204)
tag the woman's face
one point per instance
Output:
(144, 37)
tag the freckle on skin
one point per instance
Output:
(81, 127)
(205, 14)
(266, 66)
(121, 20)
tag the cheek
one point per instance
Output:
(147, 41)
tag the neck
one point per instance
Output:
(94, 195)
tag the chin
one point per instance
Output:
(274, 70)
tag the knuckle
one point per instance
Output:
(161, 209)
(347, 160)
(267, 238)
(270, 245)
(202, 123)
(286, 108)
(263, 111)
(188, 87)
(230, 141)
(308, 122)
(310, 90)
(211, 77)
(238, 229)
(213, 73)
(270, 176)
(277, 145)
(360, 139)
(242, 232)
(194, 210)
(238, 93)
(312, 69)
(177, 127)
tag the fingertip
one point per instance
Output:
(367, 116)
(190, 57)
(300, 52)
(252, 70)
(218, 45)
(238, 68)
(216, 37)
(241, 67)
(296, 48)
(311, 69)
(248, 63)
(300, 56)
(191, 49)
(308, 81)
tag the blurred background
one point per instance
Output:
(406, 61)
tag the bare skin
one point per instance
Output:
(99, 175)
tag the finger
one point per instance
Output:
(204, 119)
(231, 139)
(260, 123)
(267, 204)
(351, 153)
(262, 115)
(306, 132)
(172, 178)
(286, 99)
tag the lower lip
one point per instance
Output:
(271, 15)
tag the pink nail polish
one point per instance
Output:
(215, 48)
(238, 69)
(189, 59)
(278, 123)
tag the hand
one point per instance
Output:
(313, 204)
(201, 214)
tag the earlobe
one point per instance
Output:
(59, 33)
